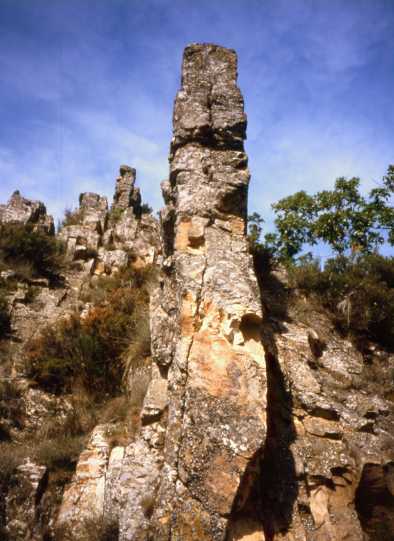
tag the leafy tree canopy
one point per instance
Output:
(343, 218)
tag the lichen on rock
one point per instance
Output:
(216, 374)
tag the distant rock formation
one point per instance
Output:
(108, 238)
(126, 195)
(26, 211)
(98, 241)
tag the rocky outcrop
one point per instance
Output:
(102, 239)
(126, 194)
(327, 467)
(29, 501)
(206, 327)
(25, 211)
(254, 426)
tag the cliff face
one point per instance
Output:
(256, 420)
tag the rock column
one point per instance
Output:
(216, 375)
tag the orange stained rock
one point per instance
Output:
(189, 237)
(237, 226)
(223, 479)
(221, 369)
(188, 314)
(182, 235)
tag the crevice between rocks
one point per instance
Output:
(269, 489)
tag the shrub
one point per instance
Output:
(11, 456)
(71, 217)
(359, 292)
(90, 349)
(5, 319)
(60, 452)
(10, 408)
(92, 529)
(30, 251)
(115, 214)
(146, 209)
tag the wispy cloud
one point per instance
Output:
(88, 88)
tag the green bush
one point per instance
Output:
(146, 209)
(90, 350)
(29, 251)
(358, 291)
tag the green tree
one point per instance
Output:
(255, 228)
(343, 218)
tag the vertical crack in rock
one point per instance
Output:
(209, 292)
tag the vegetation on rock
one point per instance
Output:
(71, 217)
(5, 320)
(359, 293)
(30, 251)
(89, 348)
(342, 218)
(357, 284)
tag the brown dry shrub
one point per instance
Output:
(71, 217)
(11, 456)
(91, 529)
(90, 350)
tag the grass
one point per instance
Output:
(10, 409)
(60, 452)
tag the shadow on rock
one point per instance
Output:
(269, 489)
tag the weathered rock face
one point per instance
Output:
(301, 450)
(30, 500)
(207, 325)
(251, 425)
(25, 211)
(112, 237)
(126, 195)
(331, 425)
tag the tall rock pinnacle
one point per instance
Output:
(216, 375)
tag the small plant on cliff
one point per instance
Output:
(5, 320)
(115, 214)
(146, 209)
(89, 349)
(71, 217)
(359, 292)
(30, 251)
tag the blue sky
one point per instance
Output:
(89, 84)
